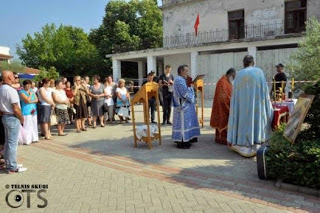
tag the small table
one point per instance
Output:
(280, 115)
(289, 103)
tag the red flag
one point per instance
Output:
(197, 24)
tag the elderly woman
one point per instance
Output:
(46, 105)
(185, 128)
(29, 100)
(97, 94)
(123, 98)
(61, 100)
(80, 91)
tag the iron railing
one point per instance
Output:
(251, 32)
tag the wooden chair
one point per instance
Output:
(147, 91)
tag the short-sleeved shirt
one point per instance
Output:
(98, 91)
(62, 96)
(163, 77)
(8, 96)
(109, 91)
(122, 92)
(280, 77)
(48, 93)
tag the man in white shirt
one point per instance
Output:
(12, 118)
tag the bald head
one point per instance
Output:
(7, 77)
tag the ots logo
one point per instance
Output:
(16, 198)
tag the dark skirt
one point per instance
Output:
(44, 114)
(81, 110)
(62, 116)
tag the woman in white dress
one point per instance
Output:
(29, 100)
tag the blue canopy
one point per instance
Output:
(26, 76)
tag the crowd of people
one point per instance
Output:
(241, 114)
(54, 102)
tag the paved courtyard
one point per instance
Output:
(101, 171)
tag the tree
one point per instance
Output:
(14, 66)
(304, 64)
(132, 25)
(127, 26)
(66, 48)
(44, 73)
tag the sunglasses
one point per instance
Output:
(16, 77)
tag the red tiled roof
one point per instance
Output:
(31, 71)
(4, 56)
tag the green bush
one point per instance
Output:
(298, 163)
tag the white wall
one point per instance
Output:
(267, 59)
(180, 19)
(216, 65)
(176, 60)
(4, 50)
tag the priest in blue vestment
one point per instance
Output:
(251, 111)
(185, 128)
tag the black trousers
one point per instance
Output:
(152, 107)
(167, 103)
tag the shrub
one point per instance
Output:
(297, 163)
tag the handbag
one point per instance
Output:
(105, 108)
(53, 119)
(123, 112)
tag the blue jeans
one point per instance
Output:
(11, 129)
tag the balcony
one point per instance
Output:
(251, 33)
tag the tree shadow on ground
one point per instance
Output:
(210, 178)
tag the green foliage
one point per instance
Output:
(313, 116)
(44, 73)
(14, 66)
(304, 64)
(297, 163)
(132, 25)
(66, 48)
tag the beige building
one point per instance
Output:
(5, 54)
(229, 29)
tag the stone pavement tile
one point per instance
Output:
(214, 210)
(234, 205)
(225, 207)
(122, 189)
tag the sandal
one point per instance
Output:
(84, 129)
(64, 134)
